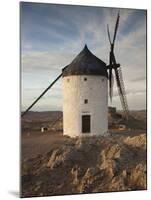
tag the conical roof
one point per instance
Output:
(85, 63)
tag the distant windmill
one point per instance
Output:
(85, 92)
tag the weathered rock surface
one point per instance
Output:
(137, 141)
(87, 165)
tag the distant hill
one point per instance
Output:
(35, 120)
(41, 116)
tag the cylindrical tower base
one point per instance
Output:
(85, 105)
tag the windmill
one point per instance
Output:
(83, 105)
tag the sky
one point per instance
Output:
(53, 35)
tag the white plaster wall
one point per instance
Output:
(75, 90)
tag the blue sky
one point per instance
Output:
(52, 35)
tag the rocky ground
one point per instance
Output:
(87, 165)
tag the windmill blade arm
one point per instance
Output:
(111, 84)
(111, 89)
(110, 67)
(121, 91)
(116, 27)
(108, 32)
(112, 60)
(42, 94)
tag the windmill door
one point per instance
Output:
(86, 123)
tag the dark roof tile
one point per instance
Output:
(85, 64)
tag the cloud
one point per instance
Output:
(53, 35)
(132, 92)
(138, 79)
(44, 61)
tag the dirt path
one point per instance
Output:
(40, 143)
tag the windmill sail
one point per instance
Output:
(42, 94)
(113, 65)
(116, 27)
(120, 86)
(111, 58)
(109, 37)
(121, 91)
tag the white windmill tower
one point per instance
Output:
(85, 96)
(85, 92)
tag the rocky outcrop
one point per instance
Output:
(136, 141)
(86, 165)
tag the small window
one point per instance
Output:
(68, 79)
(85, 79)
(85, 101)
